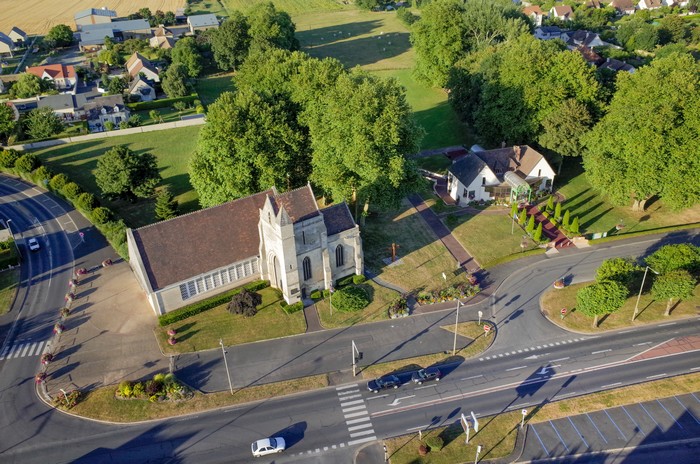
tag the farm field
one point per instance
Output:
(47, 13)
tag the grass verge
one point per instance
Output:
(203, 331)
(377, 310)
(8, 287)
(650, 311)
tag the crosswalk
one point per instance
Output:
(356, 415)
(22, 349)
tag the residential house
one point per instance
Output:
(102, 109)
(180, 16)
(202, 22)
(68, 107)
(590, 55)
(7, 45)
(597, 4)
(510, 173)
(6, 80)
(624, 7)
(281, 237)
(585, 38)
(562, 12)
(18, 36)
(62, 76)
(137, 65)
(92, 36)
(93, 16)
(161, 42)
(143, 89)
(650, 4)
(535, 13)
(617, 65)
(549, 33)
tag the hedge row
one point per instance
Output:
(28, 167)
(204, 305)
(165, 102)
(293, 308)
(8, 257)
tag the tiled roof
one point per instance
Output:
(520, 158)
(533, 9)
(562, 10)
(56, 71)
(337, 218)
(300, 204)
(189, 245)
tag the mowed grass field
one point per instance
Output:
(38, 16)
(173, 148)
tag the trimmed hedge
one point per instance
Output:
(209, 303)
(293, 308)
(350, 280)
(165, 102)
(351, 298)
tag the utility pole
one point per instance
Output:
(228, 374)
(454, 344)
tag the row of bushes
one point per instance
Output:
(209, 303)
(454, 292)
(162, 387)
(28, 167)
(162, 103)
(8, 253)
(292, 308)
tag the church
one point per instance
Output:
(281, 237)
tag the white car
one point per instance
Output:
(267, 446)
(33, 244)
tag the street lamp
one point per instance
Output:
(454, 345)
(636, 306)
(228, 374)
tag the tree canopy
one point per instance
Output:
(28, 85)
(175, 81)
(186, 53)
(122, 173)
(166, 205)
(271, 28)
(42, 123)
(673, 257)
(652, 123)
(59, 36)
(622, 270)
(678, 284)
(7, 121)
(230, 42)
(600, 299)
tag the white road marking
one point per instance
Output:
(364, 432)
(360, 440)
(560, 359)
(420, 427)
(664, 325)
(515, 368)
(656, 376)
(601, 351)
(357, 421)
(354, 408)
(611, 385)
(358, 427)
(355, 414)
(473, 377)
(350, 403)
(345, 387)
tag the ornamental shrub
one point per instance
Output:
(315, 295)
(350, 298)
(41, 175)
(245, 303)
(434, 442)
(358, 279)
(71, 190)
(8, 158)
(58, 181)
(86, 201)
(293, 308)
(550, 204)
(101, 215)
(27, 163)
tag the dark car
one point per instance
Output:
(388, 381)
(424, 375)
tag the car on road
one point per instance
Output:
(387, 381)
(425, 375)
(33, 244)
(267, 446)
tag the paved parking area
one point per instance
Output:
(658, 421)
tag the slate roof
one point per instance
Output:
(18, 31)
(203, 20)
(95, 12)
(617, 65)
(189, 245)
(337, 218)
(300, 203)
(7, 40)
(520, 159)
(136, 83)
(117, 26)
(62, 101)
(467, 168)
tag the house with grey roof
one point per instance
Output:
(202, 22)
(509, 174)
(66, 106)
(281, 237)
(142, 89)
(92, 36)
(100, 110)
(7, 45)
(17, 35)
(93, 16)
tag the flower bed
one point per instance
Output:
(455, 292)
(398, 308)
(163, 387)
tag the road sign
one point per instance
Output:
(465, 422)
(563, 310)
(476, 422)
(487, 328)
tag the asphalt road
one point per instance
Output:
(521, 369)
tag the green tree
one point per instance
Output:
(231, 41)
(637, 34)
(361, 131)
(59, 36)
(600, 299)
(673, 29)
(649, 126)
(530, 225)
(669, 258)
(166, 205)
(155, 116)
(678, 284)
(117, 85)
(565, 220)
(271, 28)
(522, 217)
(43, 123)
(550, 204)
(7, 121)
(186, 53)
(175, 81)
(122, 173)
(537, 237)
(622, 270)
(8, 157)
(557, 211)
(27, 163)
(28, 85)
(513, 210)
(574, 229)
(563, 129)
(109, 126)
(110, 57)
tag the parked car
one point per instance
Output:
(267, 446)
(33, 244)
(424, 375)
(388, 381)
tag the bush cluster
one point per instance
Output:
(350, 298)
(162, 103)
(162, 387)
(245, 302)
(293, 308)
(209, 303)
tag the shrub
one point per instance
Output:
(161, 103)
(125, 389)
(109, 126)
(209, 303)
(434, 442)
(350, 298)
(71, 190)
(315, 295)
(293, 308)
(405, 16)
(358, 279)
(101, 215)
(41, 175)
(8, 158)
(86, 201)
(27, 163)
(245, 302)
(58, 181)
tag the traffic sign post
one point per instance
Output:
(465, 426)
(522, 423)
(563, 312)
(476, 422)
(478, 452)
(480, 313)
(487, 328)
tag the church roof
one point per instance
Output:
(337, 218)
(192, 244)
(300, 203)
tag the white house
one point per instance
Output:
(102, 109)
(562, 12)
(281, 237)
(585, 38)
(143, 89)
(510, 173)
(535, 13)
(549, 33)
(650, 4)
(17, 35)
(62, 76)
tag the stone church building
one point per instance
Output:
(281, 237)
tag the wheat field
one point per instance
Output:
(38, 16)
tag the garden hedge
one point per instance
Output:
(165, 102)
(291, 309)
(350, 298)
(209, 303)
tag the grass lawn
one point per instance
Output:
(377, 310)
(470, 230)
(435, 163)
(203, 331)
(649, 310)
(208, 6)
(8, 288)
(422, 257)
(293, 7)
(596, 214)
(173, 148)
(209, 88)
(166, 115)
(432, 111)
(497, 433)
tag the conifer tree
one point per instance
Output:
(574, 226)
(522, 217)
(538, 233)
(565, 221)
(557, 211)
(530, 225)
(166, 205)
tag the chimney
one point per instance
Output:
(518, 151)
